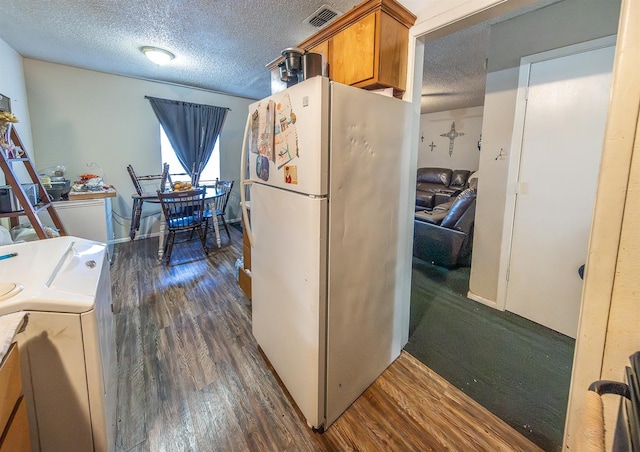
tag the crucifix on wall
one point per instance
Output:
(452, 135)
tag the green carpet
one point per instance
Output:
(517, 369)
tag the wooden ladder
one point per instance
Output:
(29, 210)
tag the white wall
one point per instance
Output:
(557, 25)
(81, 116)
(465, 151)
(492, 182)
(12, 85)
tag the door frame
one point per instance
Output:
(516, 149)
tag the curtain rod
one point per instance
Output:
(181, 101)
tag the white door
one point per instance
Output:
(561, 147)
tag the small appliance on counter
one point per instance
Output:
(9, 201)
(54, 181)
(299, 65)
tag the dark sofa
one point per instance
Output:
(436, 185)
(444, 235)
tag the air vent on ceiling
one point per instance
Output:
(322, 16)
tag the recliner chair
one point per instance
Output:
(444, 235)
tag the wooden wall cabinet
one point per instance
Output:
(366, 47)
(371, 53)
(354, 52)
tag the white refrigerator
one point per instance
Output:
(325, 175)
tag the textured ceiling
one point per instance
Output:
(454, 74)
(455, 71)
(220, 45)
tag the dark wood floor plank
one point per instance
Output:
(192, 378)
(172, 427)
(131, 381)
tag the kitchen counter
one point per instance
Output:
(75, 195)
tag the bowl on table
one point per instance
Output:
(58, 189)
(55, 192)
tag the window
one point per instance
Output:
(209, 172)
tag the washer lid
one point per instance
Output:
(59, 275)
(78, 270)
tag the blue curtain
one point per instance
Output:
(192, 129)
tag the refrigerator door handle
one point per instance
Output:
(244, 182)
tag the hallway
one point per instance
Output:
(518, 370)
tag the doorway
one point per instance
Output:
(496, 151)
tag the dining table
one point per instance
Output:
(211, 194)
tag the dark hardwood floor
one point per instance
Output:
(191, 376)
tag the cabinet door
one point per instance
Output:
(14, 427)
(10, 385)
(392, 52)
(16, 437)
(353, 52)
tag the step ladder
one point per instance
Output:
(28, 209)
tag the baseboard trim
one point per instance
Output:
(138, 237)
(484, 301)
(157, 234)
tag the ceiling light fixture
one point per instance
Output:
(158, 56)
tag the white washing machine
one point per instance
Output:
(68, 350)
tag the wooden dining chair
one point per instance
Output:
(220, 203)
(194, 176)
(183, 212)
(140, 183)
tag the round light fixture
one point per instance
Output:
(158, 56)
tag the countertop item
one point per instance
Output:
(10, 325)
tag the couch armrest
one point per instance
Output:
(433, 243)
(431, 216)
(466, 221)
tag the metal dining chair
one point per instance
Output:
(220, 203)
(140, 196)
(183, 212)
